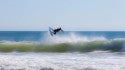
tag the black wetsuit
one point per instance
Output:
(57, 30)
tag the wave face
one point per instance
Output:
(67, 42)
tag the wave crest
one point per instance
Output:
(65, 43)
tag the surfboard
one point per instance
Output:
(51, 31)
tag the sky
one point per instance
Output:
(71, 15)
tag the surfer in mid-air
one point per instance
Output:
(54, 31)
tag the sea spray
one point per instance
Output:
(70, 38)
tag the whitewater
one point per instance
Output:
(62, 61)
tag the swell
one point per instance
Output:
(116, 45)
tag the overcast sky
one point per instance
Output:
(82, 15)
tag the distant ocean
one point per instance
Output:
(68, 50)
(37, 35)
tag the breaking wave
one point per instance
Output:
(64, 43)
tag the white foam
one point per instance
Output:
(61, 61)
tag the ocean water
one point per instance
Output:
(37, 35)
(70, 50)
(42, 41)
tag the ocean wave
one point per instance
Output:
(117, 45)
(65, 43)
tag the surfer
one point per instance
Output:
(54, 31)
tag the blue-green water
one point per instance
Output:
(79, 41)
(37, 35)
